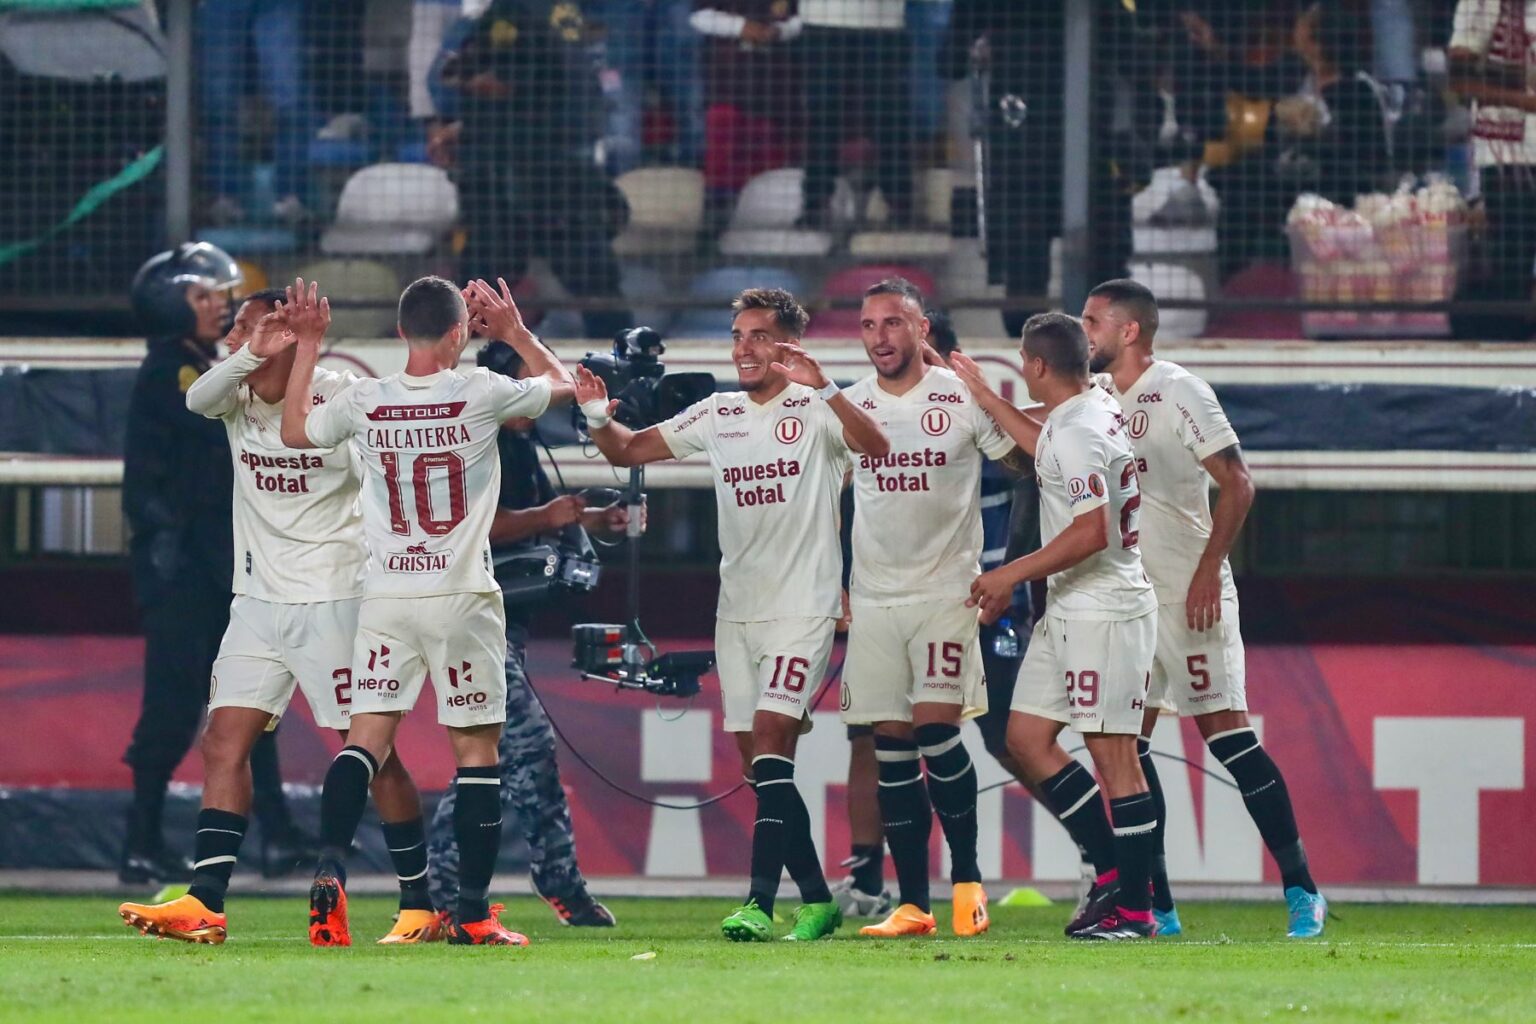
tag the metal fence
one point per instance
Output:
(1346, 168)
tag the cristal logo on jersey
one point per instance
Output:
(417, 558)
(789, 429)
(397, 413)
(1137, 424)
(935, 422)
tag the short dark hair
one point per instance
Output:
(1059, 340)
(430, 307)
(896, 286)
(1132, 298)
(271, 296)
(941, 332)
(787, 312)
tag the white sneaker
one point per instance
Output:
(855, 902)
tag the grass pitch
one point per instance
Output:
(72, 959)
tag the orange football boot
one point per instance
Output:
(184, 918)
(416, 926)
(970, 909)
(490, 932)
(328, 913)
(904, 920)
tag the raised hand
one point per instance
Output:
(272, 335)
(969, 373)
(799, 366)
(308, 313)
(590, 388)
(492, 313)
(931, 356)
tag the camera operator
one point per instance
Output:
(529, 511)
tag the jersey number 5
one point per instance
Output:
(421, 482)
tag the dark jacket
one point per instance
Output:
(177, 482)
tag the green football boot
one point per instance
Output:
(815, 921)
(747, 923)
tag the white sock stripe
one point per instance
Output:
(1072, 771)
(941, 748)
(1082, 800)
(405, 849)
(476, 780)
(1136, 830)
(367, 761)
(773, 757)
(1240, 753)
(411, 878)
(951, 778)
(225, 831)
(214, 860)
(776, 782)
(896, 755)
(1230, 732)
(1256, 792)
(903, 782)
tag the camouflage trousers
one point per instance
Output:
(530, 789)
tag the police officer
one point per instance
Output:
(530, 512)
(177, 493)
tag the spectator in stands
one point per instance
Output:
(857, 59)
(528, 181)
(927, 25)
(651, 44)
(1493, 64)
(227, 30)
(752, 88)
(1339, 121)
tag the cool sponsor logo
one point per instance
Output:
(728, 410)
(796, 403)
(940, 397)
(1149, 398)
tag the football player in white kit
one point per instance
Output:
(778, 449)
(427, 437)
(914, 668)
(1090, 656)
(298, 579)
(1183, 441)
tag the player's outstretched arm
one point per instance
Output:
(1202, 606)
(1017, 424)
(860, 430)
(495, 315)
(1087, 535)
(619, 445)
(308, 316)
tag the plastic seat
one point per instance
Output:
(393, 210)
(666, 211)
(763, 220)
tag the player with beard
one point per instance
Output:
(300, 562)
(914, 666)
(778, 449)
(1183, 441)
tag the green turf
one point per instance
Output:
(71, 959)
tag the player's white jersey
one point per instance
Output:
(431, 475)
(1084, 461)
(298, 529)
(917, 511)
(1174, 422)
(778, 469)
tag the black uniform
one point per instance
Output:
(177, 493)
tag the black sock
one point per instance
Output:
(1073, 797)
(218, 845)
(407, 843)
(773, 779)
(906, 816)
(1268, 802)
(952, 789)
(867, 866)
(800, 857)
(147, 810)
(1135, 818)
(342, 801)
(477, 830)
(1162, 895)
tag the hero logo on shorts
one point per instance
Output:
(789, 429)
(416, 558)
(463, 675)
(935, 422)
(1138, 423)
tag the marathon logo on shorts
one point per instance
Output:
(405, 413)
(762, 494)
(417, 558)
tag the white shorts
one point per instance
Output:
(460, 640)
(1089, 673)
(898, 656)
(270, 647)
(776, 665)
(1197, 673)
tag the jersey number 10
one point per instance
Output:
(421, 483)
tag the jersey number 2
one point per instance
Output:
(1129, 534)
(421, 483)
